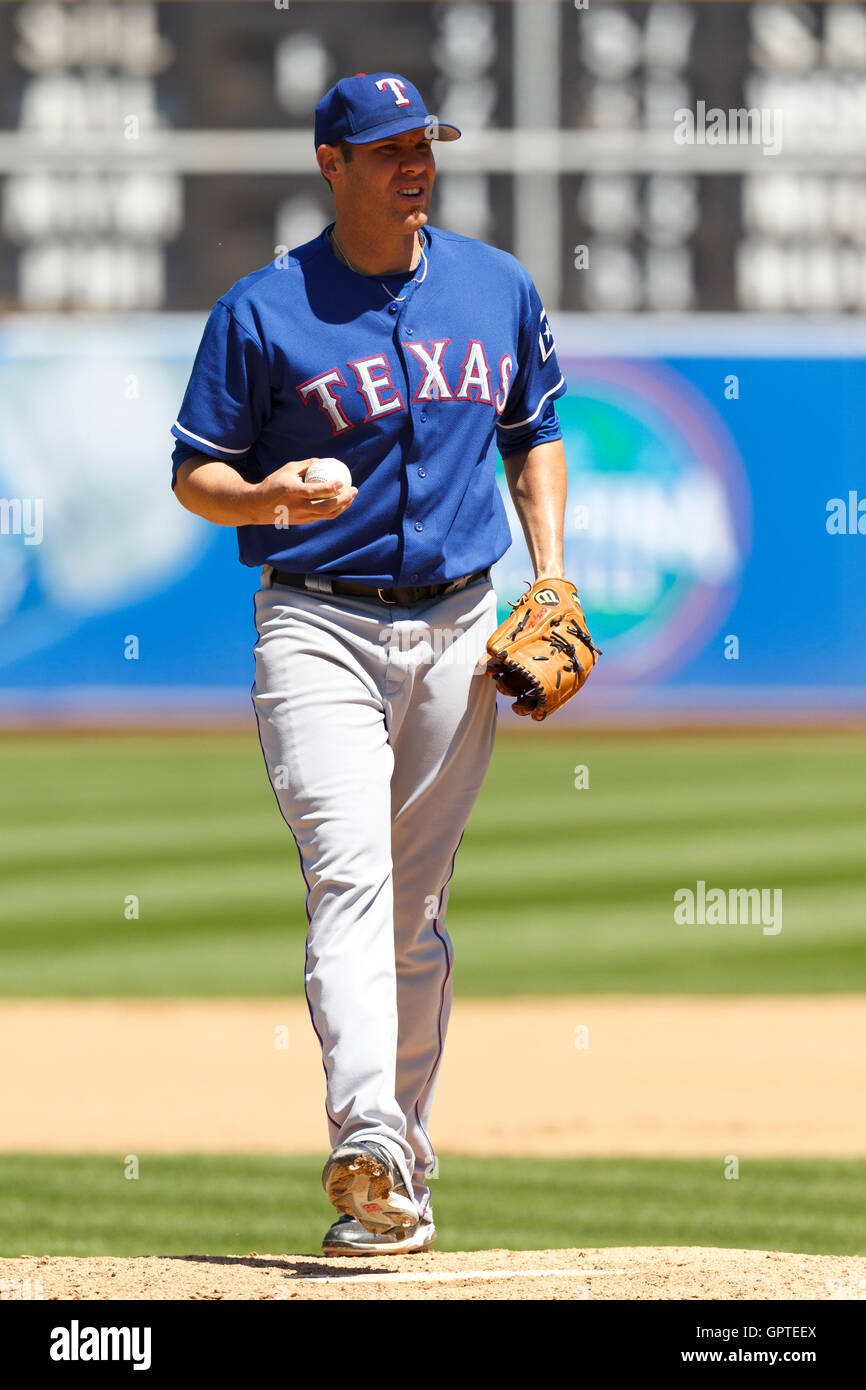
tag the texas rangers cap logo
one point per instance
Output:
(398, 87)
(372, 106)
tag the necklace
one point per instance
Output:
(398, 297)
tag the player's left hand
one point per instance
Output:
(542, 653)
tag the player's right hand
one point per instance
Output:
(283, 498)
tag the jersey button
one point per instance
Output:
(422, 472)
(419, 526)
(392, 308)
(416, 577)
(422, 417)
(410, 333)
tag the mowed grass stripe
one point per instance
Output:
(136, 832)
(552, 885)
(615, 787)
(175, 888)
(603, 802)
(84, 1205)
(655, 856)
(189, 871)
(655, 871)
(158, 965)
(554, 961)
(148, 838)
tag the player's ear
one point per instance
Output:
(330, 161)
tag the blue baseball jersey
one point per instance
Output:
(305, 358)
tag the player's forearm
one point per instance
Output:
(215, 491)
(537, 481)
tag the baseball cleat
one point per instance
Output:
(363, 1181)
(348, 1237)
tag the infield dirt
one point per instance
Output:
(768, 1076)
(668, 1272)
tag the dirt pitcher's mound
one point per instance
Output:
(626, 1273)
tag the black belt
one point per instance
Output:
(405, 597)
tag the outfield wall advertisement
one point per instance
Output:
(714, 524)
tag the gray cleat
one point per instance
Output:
(348, 1237)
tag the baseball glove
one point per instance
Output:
(543, 652)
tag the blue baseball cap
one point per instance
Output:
(372, 106)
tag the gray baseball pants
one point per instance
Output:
(377, 726)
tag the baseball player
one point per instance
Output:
(408, 354)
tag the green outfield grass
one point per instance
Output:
(556, 889)
(82, 1205)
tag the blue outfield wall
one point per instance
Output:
(716, 521)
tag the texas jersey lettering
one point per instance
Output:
(376, 378)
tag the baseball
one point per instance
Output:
(326, 471)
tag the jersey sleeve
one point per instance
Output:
(227, 399)
(529, 416)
